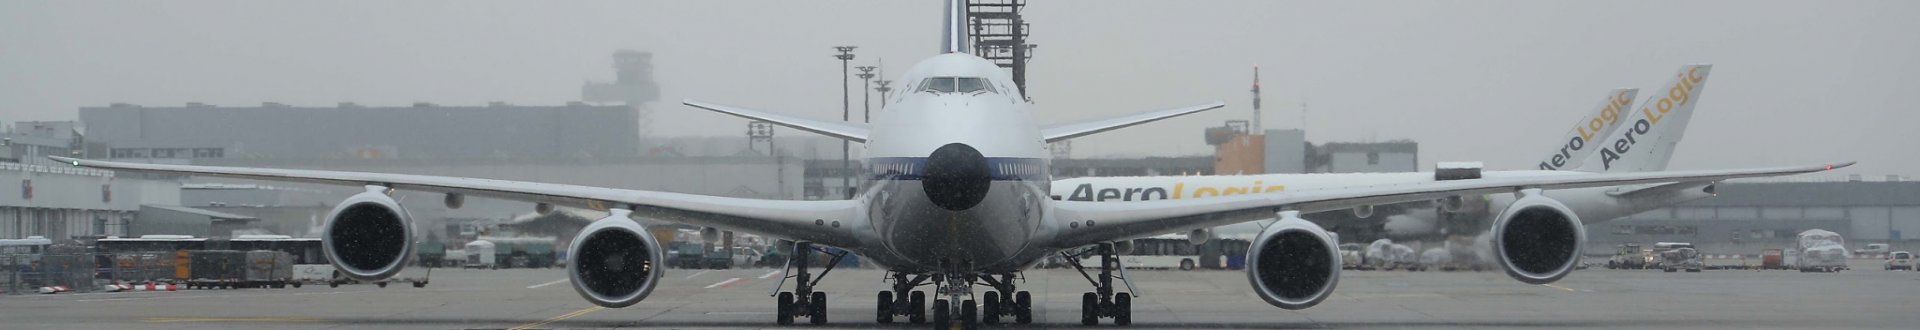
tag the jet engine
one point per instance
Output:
(615, 262)
(1293, 264)
(1537, 240)
(368, 237)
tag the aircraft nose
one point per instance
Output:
(956, 177)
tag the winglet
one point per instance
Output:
(1057, 132)
(845, 131)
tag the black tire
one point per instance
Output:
(381, 284)
(296, 285)
(1023, 310)
(1122, 309)
(917, 301)
(1186, 264)
(333, 284)
(1089, 309)
(420, 284)
(783, 309)
(969, 315)
(941, 317)
(817, 309)
(990, 308)
(883, 308)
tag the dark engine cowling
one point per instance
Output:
(368, 237)
(1537, 240)
(615, 262)
(1293, 264)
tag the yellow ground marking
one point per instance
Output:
(1560, 287)
(227, 319)
(568, 315)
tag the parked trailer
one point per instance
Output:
(1820, 251)
(216, 269)
(1772, 259)
(480, 254)
(267, 268)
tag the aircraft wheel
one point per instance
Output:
(990, 308)
(942, 317)
(883, 308)
(1122, 309)
(381, 284)
(296, 285)
(817, 309)
(783, 310)
(969, 315)
(1089, 309)
(918, 302)
(1023, 302)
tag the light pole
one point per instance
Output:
(883, 91)
(866, 93)
(846, 114)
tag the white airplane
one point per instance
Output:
(958, 197)
(1572, 154)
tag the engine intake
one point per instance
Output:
(1293, 264)
(1537, 240)
(368, 237)
(615, 262)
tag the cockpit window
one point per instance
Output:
(967, 85)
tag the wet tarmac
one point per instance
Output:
(739, 298)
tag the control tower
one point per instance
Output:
(632, 85)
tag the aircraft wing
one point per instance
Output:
(846, 131)
(1057, 132)
(777, 218)
(1107, 221)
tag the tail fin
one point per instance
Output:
(953, 34)
(1648, 137)
(1578, 143)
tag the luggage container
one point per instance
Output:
(268, 268)
(480, 254)
(216, 269)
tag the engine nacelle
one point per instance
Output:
(368, 237)
(614, 261)
(1537, 240)
(1200, 236)
(1293, 264)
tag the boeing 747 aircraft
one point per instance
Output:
(957, 199)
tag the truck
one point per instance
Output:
(1656, 256)
(431, 254)
(1685, 258)
(480, 254)
(696, 255)
(1627, 256)
(1818, 250)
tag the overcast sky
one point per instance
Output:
(1793, 83)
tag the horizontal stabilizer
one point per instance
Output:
(1057, 132)
(845, 131)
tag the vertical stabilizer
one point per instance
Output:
(1578, 144)
(953, 34)
(1646, 140)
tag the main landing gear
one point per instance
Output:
(903, 300)
(803, 301)
(1102, 302)
(1002, 301)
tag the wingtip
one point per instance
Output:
(1840, 165)
(70, 161)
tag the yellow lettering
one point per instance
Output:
(1694, 74)
(1276, 188)
(1652, 119)
(1177, 188)
(1205, 192)
(1234, 191)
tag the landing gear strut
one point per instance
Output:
(955, 286)
(1102, 302)
(903, 300)
(1004, 301)
(803, 301)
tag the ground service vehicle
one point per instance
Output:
(1655, 255)
(1873, 249)
(268, 268)
(955, 197)
(1901, 260)
(1627, 256)
(1685, 258)
(481, 254)
(432, 254)
(1773, 259)
(1820, 251)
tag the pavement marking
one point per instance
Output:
(725, 283)
(214, 296)
(1560, 287)
(227, 319)
(568, 315)
(542, 285)
(698, 273)
(770, 274)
